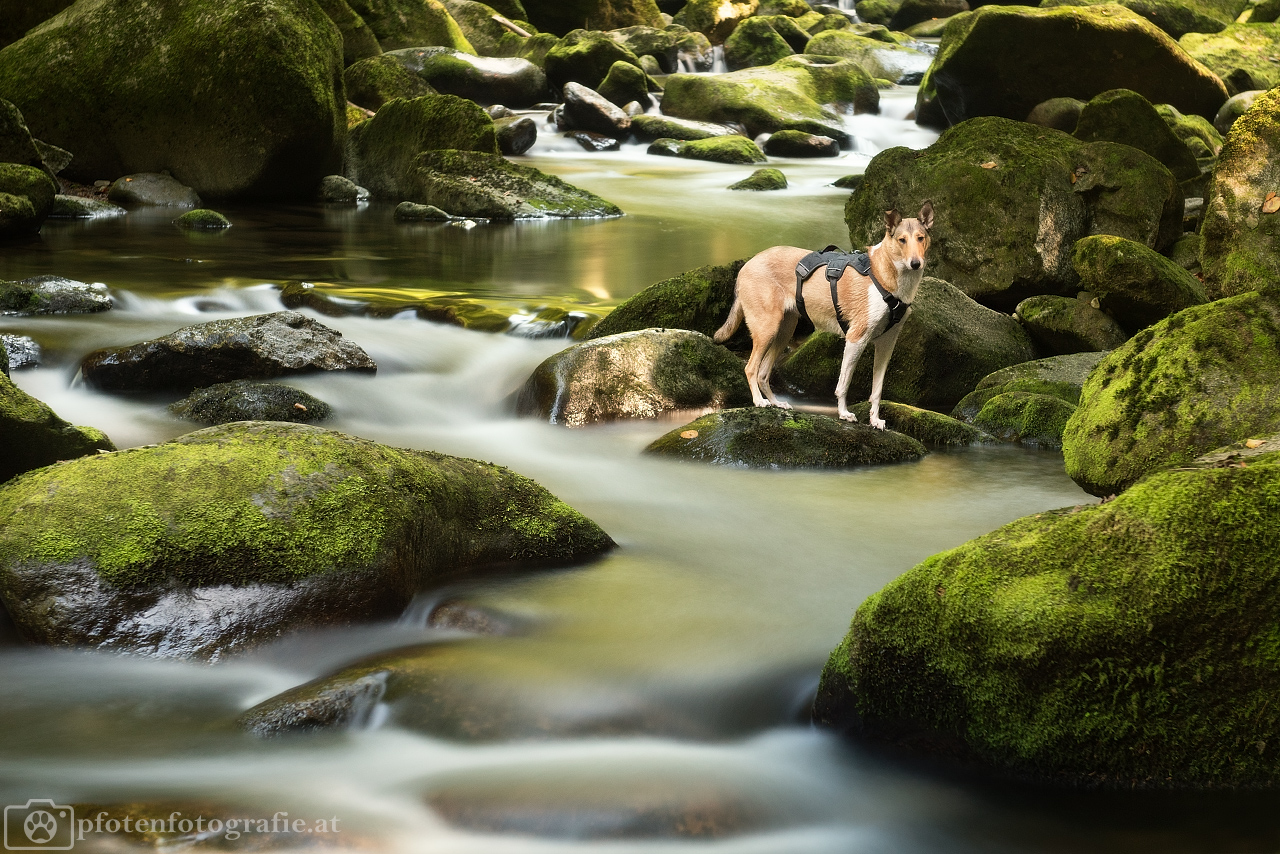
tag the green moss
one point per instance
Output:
(1124, 116)
(923, 425)
(26, 199)
(412, 23)
(1239, 47)
(626, 83)
(585, 57)
(762, 179)
(1134, 284)
(1063, 325)
(34, 436)
(202, 218)
(358, 41)
(718, 149)
(1127, 644)
(1027, 417)
(375, 81)
(698, 300)
(763, 40)
(878, 57)
(717, 19)
(561, 16)
(878, 11)
(1175, 17)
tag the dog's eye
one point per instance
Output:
(902, 240)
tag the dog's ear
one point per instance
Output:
(891, 220)
(926, 215)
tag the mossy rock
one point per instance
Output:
(717, 19)
(78, 207)
(382, 151)
(561, 16)
(358, 40)
(513, 81)
(53, 295)
(412, 23)
(1175, 17)
(269, 527)
(1026, 417)
(1058, 113)
(374, 81)
(790, 94)
(112, 82)
(877, 11)
(1011, 199)
(412, 212)
(638, 374)
(651, 128)
(482, 32)
(264, 346)
(1240, 249)
(1003, 60)
(246, 400)
(698, 300)
(534, 49)
(202, 218)
(1057, 376)
(16, 144)
(337, 190)
(32, 434)
(720, 149)
(771, 437)
(1064, 325)
(1134, 285)
(478, 184)
(1124, 116)
(763, 40)
(1197, 132)
(912, 12)
(790, 8)
(1238, 48)
(626, 83)
(585, 57)
(880, 59)
(26, 199)
(1235, 107)
(667, 45)
(152, 189)
(1124, 645)
(947, 344)
(762, 179)
(924, 425)
(1200, 379)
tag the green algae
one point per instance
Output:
(1027, 417)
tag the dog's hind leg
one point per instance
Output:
(884, 351)
(759, 349)
(779, 343)
(852, 350)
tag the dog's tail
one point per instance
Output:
(731, 325)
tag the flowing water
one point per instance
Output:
(655, 700)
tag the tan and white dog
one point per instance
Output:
(766, 299)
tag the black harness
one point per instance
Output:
(836, 263)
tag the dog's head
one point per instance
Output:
(908, 239)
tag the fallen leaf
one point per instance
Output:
(1253, 443)
(299, 406)
(689, 434)
(1073, 177)
(990, 164)
(1271, 204)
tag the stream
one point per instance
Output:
(655, 700)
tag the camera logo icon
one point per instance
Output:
(39, 825)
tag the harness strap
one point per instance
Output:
(836, 263)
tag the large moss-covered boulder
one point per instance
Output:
(53, 295)
(26, 199)
(1205, 377)
(1124, 116)
(790, 94)
(1133, 284)
(479, 184)
(476, 20)
(1011, 199)
(585, 57)
(513, 81)
(236, 99)
(237, 534)
(946, 346)
(376, 80)
(771, 437)
(1126, 644)
(412, 23)
(880, 59)
(1063, 325)
(16, 144)
(261, 347)
(561, 16)
(698, 300)
(717, 19)
(1175, 17)
(1056, 376)
(638, 374)
(381, 151)
(1240, 231)
(764, 40)
(667, 46)
(1240, 54)
(1003, 60)
(32, 434)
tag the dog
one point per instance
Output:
(863, 308)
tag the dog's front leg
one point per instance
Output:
(852, 350)
(884, 350)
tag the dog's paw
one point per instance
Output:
(877, 423)
(782, 404)
(848, 416)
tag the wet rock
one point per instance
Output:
(16, 144)
(717, 19)
(877, 11)
(335, 189)
(912, 12)
(259, 347)
(1064, 325)
(652, 128)
(376, 80)
(253, 529)
(788, 95)
(1175, 17)
(1240, 52)
(931, 29)
(53, 295)
(1235, 107)
(763, 40)
(561, 16)
(26, 199)
(1008, 212)
(201, 218)
(585, 57)
(994, 653)
(1124, 116)
(848, 182)
(344, 706)
(454, 615)
(1134, 285)
(771, 437)
(77, 207)
(516, 135)
(595, 142)
(264, 121)
(762, 179)
(513, 81)
(246, 400)
(923, 425)
(1240, 231)
(153, 189)
(421, 213)
(382, 151)
(476, 184)
(633, 109)
(720, 149)
(1058, 113)
(947, 344)
(400, 24)
(1026, 417)
(586, 109)
(880, 59)
(638, 374)
(483, 33)
(1200, 379)
(981, 65)
(625, 84)
(667, 47)
(33, 436)
(1057, 376)
(698, 300)
(21, 352)
(797, 143)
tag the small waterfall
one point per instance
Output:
(717, 60)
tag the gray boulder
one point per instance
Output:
(153, 189)
(586, 109)
(512, 81)
(53, 295)
(516, 134)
